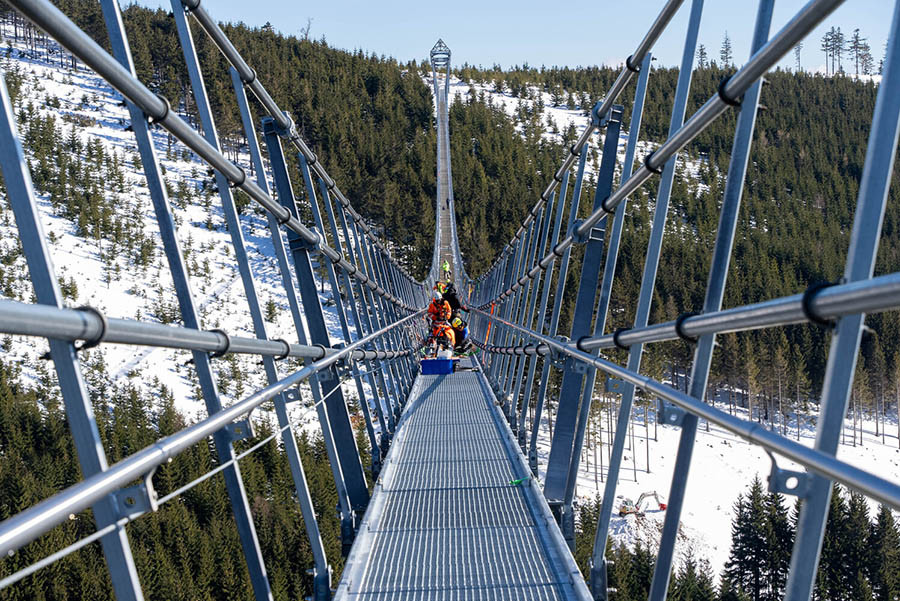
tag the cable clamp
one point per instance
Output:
(679, 327)
(292, 395)
(190, 5)
(284, 220)
(104, 327)
(578, 238)
(669, 414)
(96, 340)
(217, 354)
(808, 311)
(616, 341)
(725, 98)
(238, 184)
(324, 351)
(166, 108)
(580, 341)
(138, 499)
(287, 349)
(240, 430)
(650, 168)
(630, 66)
(249, 80)
(787, 482)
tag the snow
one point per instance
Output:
(722, 467)
(85, 98)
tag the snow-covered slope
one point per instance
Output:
(84, 106)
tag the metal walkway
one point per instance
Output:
(446, 521)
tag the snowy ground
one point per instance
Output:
(723, 467)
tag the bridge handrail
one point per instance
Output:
(89, 325)
(250, 79)
(728, 96)
(30, 523)
(826, 465)
(876, 295)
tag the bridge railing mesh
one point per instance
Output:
(516, 329)
(378, 305)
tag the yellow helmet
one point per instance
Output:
(457, 322)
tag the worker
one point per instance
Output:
(461, 335)
(452, 298)
(445, 267)
(439, 309)
(442, 335)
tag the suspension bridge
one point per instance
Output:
(456, 510)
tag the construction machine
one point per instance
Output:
(627, 507)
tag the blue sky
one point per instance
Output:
(540, 32)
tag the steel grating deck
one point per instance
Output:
(445, 523)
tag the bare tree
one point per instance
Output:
(304, 31)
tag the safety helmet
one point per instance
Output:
(457, 323)
(437, 295)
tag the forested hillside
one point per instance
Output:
(796, 216)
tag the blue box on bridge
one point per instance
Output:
(437, 366)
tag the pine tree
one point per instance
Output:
(858, 47)
(702, 57)
(725, 53)
(746, 566)
(779, 541)
(831, 579)
(883, 557)
(856, 545)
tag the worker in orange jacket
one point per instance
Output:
(439, 309)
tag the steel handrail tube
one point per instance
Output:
(249, 76)
(878, 294)
(27, 525)
(53, 21)
(826, 465)
(25, 319)
(806, 20)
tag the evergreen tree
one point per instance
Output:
(883, 556)
(747, 563)
(702, 57)
(725, 53)
(779, 541)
